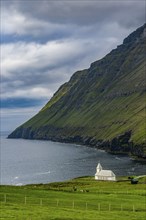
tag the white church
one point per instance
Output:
(104, 174)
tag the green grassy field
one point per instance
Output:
(81, 198)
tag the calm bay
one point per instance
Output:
(35, 161)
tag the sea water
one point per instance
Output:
(36, 161)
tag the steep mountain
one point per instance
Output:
(103, 106)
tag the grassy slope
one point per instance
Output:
(105, 117)
(118, 200)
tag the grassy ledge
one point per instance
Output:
(80, 198)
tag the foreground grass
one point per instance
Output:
(82, 198)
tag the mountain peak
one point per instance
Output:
(136, 36)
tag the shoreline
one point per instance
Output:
(91, 142)
(118, 179)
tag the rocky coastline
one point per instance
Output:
(122, 144)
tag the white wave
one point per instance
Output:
(16, 177)
(18, 184)
(133, 168)
(43, 173)
(118, 158)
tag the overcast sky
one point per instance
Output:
(44, 42)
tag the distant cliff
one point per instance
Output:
(103, 106)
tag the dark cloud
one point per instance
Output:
(60, 19)
(82, 12)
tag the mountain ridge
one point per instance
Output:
(102, 106)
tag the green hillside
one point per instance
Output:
(103, 106)
(78, 199)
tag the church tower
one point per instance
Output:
(98, 168)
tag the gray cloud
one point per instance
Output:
(76, 33)
(50, 16)
(81, 12)
(37, 69)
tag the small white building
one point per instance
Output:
(104, 174)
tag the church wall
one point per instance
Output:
(105, 178)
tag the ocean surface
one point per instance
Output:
(34, 161)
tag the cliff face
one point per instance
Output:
(103, 106)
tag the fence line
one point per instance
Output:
(25, 200)
(78, 205)
(5, 198)
(73, 204)
(99, 207)
(86, 205)
(57, 202)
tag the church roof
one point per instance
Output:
(99, 166)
